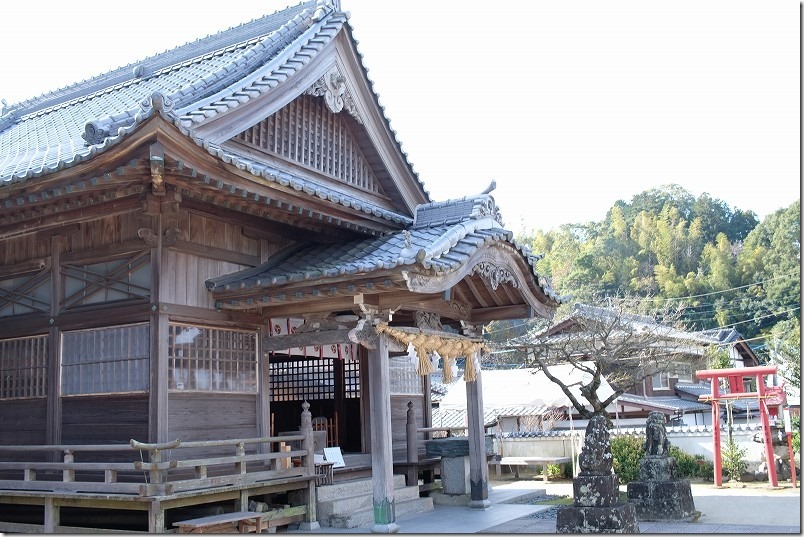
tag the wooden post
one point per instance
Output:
(309, 522)
(412, 477)
(478, 468)
(382, 459)
(52, 516)
(156, 517)
(240, 466)
(68, 475)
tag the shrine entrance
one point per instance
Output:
(770, 398)
(330, 385)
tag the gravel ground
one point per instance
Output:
(546, 514)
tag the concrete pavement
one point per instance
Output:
(731, 509)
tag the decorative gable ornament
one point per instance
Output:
(332, 86)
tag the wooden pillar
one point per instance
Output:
(382, 460)
(478, 467)
(309, 522)
(158, 400)
(158, 395)
(264, 394)
(53, 418)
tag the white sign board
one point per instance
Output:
(333, 454)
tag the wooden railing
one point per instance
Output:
(154, 474)
(158, 469)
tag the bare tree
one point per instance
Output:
(616, 343)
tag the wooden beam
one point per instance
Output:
(486, 315)
(305, 339)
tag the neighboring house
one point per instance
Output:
(194, 245)
(517, 400)
(670, 391)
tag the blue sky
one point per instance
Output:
(568, 105)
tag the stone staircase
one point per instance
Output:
(349, 504)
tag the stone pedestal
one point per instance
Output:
(455, 481)
(596, 490)
(616, 519)
(659, 495)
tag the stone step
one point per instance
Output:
(325, 509)
(366, 516)
(355, 487)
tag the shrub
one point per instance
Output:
(686, 464)
(554, 471)
(706, 469)
(734, 463)
(796, 423)
(627, 451)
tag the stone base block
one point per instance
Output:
(662, 500)
(596, 490)
(441, 498)
(455, 475)
(620, 518)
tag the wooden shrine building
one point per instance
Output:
(195, 245)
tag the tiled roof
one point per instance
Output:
(69, 125)
(437, 247)
(665, 402)
(694, 389)
(193, 83)
(457, 418)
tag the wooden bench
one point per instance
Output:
(516, 462)
(242, 521)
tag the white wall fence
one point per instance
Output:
(694, 440)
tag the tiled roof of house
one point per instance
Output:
(665, 402)
(192, 83)
(694, 389)
(438, 244)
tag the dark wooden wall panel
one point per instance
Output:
(211, 416)
(23, 422)
(105, 419)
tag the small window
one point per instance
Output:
(105, 360)
(404, 379)
(661, 381)
(212, 359)
(23, 367)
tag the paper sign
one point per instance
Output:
(333, 454)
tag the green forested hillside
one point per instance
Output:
(723, 264)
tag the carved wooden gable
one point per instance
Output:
(307, 132)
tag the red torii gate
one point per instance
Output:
(735, 378)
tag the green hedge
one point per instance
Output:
(628, 451)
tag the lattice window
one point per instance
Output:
(105, 360)
(25, 293)
(23, 367)
(307, 132)
(403, 376)
(300, 380)
(351, 379)
(212, 359)
(120, 279)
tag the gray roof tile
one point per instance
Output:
(412, 247)
(202, 79)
